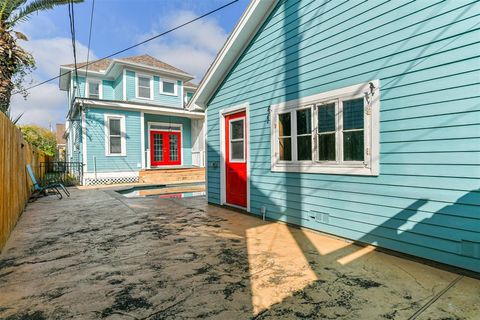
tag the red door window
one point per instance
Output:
(165, 148)
(236, 159)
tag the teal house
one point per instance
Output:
(127, 115)
(359, 119)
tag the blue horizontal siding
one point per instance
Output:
(158, 98)
(96, 136)
(426, 199)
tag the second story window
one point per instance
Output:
(144, 87)
(168, 87)
(93, 89)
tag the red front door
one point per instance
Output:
(236, 159)
(165, 148)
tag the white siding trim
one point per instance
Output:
(142, 138)
(84, 140)
(124, 82)
(222, 113)
(123, 141)
(205, 143)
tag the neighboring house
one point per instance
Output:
(359, 119)
(61, 142)
(127, 115)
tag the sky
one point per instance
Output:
(118, 24)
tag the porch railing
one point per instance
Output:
(68, 173)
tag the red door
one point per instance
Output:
(165, 148)
(236, 159)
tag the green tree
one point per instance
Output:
(15, 62)
(41, 138)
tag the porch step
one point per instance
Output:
(166, 176)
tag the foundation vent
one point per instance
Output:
(470, 249)
(321, 217)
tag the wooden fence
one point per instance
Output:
(15, 185)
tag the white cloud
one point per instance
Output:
(50, 53)
(47, 104)
(191, 48)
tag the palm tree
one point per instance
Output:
(13, 58)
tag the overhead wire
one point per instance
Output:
(135, 45)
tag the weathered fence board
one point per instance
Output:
(15, 186)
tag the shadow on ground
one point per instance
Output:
(98, 255)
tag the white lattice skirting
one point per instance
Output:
(111, 180)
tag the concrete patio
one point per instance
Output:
(100, 255)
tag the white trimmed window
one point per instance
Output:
(168, 87)
(144, 87)
(94, 89)
(333, 132)
(115, 144)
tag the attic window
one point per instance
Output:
(168, 87)
(94, 89)
(144, 87)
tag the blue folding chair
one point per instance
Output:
(43, 189)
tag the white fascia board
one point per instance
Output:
(142, 108)
(244, 31)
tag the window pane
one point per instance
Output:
(168, 87)
(115, 127)
(285, 148)
(304, 121)
(304, 145)
(237, 150)
(326, 147)
(353, 114)
(143, 82)
(173, 147)
(236, 129)
(144, 92)
(93, 89)
(115, 145)
(353, 146)
(326, 118)
(157, 147)
(284, 124)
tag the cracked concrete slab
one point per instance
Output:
(98, 255)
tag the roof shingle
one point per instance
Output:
(147, 60)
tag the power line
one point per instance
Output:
(138, 44)
(89, 40)
(71, 16)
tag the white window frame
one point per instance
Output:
(123, 142)
(137, 75)
(100, 88)
(235, 140)
(370, 165)
(175, 87)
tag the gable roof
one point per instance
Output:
(248, 25)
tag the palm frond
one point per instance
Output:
(38, 5)
(7, 7)
(20, 35)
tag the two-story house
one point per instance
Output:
(127, 115)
